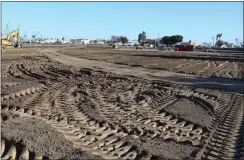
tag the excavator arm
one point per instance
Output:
(7, 42)
(16, 32)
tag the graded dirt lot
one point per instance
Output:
(224, 65)
(57, 106)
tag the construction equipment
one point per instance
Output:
(13, 39)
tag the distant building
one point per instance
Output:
(162, 47)
(100, 42)
(129, 44)
(224, 46)
(230, 45)
(205, 44)
(118, 44)
(45, 41)
(73, 40)
(80, 41)
(197, 44)
(134, 42)
(185, 43)
(85, 41)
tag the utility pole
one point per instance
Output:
(155, 43)
(158, 36)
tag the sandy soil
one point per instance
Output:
(178, 78)
(58, 106)
(211, 64)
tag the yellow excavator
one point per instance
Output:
(13, 39)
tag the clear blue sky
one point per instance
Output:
(196, 21)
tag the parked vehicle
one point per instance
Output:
(138, 47)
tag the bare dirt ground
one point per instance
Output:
(224, 65)
(56, 106)
(210, 82)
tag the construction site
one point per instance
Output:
(107, 101)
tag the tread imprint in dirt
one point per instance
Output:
(71, 102)
(186, 66)
(226, 137)
(11, 150)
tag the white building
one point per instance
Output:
(224, 46)
(48, 41)
(85, 41)
(64, 41)
(100, 42)
(80, 41)
(118, 44)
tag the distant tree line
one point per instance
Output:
(143, 40)
(121, 39)
(168, 40)
(142, 37)
(220, 42)
(124, 40)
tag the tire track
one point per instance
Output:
(5, 85)
(93, 133)
(189, 66)
(44, 99)
(99, 112)
(22, 93)
(214, 71)
(14, 71)
(10, 150)
(166, 127)
(226, 138)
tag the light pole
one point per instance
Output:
(213, 41)
(237, 42)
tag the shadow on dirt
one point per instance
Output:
(198, 57)
(215, 83)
